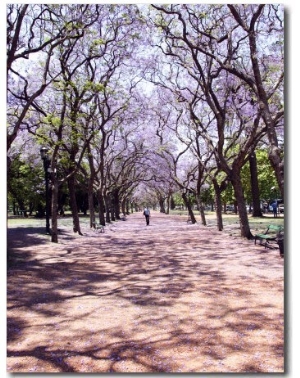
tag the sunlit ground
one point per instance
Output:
(170, 297)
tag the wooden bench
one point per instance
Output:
(98, 227)
(272, 233)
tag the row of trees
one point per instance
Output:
(26, 192)
(132, 99)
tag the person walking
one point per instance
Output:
(274, 206)
(147, 215)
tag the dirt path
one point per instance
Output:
(169, 297)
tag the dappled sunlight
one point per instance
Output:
(168, 298)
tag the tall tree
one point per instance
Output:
(219, 89)
(34, 31)
(266, 78)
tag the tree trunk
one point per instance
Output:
(116, 203)
(91, 202)
(92, 176)
(169, 203)
(112, 207)
(278, 166)
(73, 205)
(274, 150)
(242, 211)
(124, 206)
(189, 208)
(54, 210)
(129, 207)
(201, 210)
(107, 207)
(102, 208)
(254, 186)
(218, 202)
(161, 205)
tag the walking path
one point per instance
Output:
(169, 297)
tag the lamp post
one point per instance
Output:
(46, 160)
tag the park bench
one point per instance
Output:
(98, 227)
(273, 233)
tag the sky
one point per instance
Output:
(292, 85)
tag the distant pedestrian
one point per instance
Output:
(147, 215)
(274, 206)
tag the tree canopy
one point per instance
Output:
(135, 101)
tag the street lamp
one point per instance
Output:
(46, 160)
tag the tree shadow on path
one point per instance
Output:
(153, 301)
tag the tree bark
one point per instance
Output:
(107, 206)
(124, 206)
(242, 211)
(102, 208)
(201, 210)
(73, 205)
(256, 212)
(54, 209)
(116, 203)
(218, 204)
(161, 201)
(91, 202)
(189, 208)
